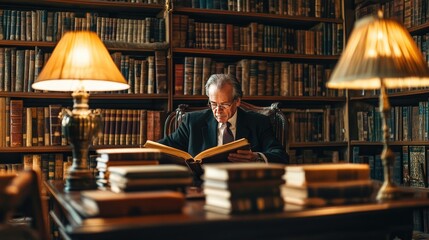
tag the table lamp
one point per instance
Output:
(80, 63)
(381, 54)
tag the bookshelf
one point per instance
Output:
(270, 42)
(285, 49)
(134, 34)
(409, 117)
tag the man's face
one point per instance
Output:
(222, 102)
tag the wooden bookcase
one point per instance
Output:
(309, 111)
(307, 105)
(301, 106)
(44, 22)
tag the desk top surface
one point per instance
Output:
(194, 215)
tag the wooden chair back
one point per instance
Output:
(22, 194)
(277, 117)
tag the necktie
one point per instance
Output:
(227, 134)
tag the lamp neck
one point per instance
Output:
(80, 100)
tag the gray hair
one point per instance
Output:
(221, 79)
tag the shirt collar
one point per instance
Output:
(232, 120)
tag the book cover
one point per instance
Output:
(236, 185)
(329, 172)
(120, 183)
(330, 190)
(15, 118)
(243, 171)
(243, 205)
(150, 171)
(55, 124)
(211, 155)
(149, 155)
(242, 192)
(417, 165)
(110, 204)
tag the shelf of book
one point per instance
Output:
(112, 46)
(391, 143)
(235, 16)
(94, 96)
(317, 144)
(279, 54)
(232, 53)
(104, 5)
(320, 99)
(134, 34)
(393, 94)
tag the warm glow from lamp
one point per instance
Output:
(79, 63)
(380, 49)
(381, 54)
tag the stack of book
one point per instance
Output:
(111, 157)
(316, 185)
(149, 177)
(243, 187)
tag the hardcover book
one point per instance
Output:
(256, 184)
(330, 172)
(150, 171)
(244, 205)
(242, 192)
(97, 203)
(212, 155)
(330, 190)
(243, 171)
(127, 155)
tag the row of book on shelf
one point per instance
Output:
(410, 165)
(315, 156)
(53, 166)
(324, 9)
(50, 26)
(139, 1)
(406, 123)
(408, 12)
(322, 39)
(41, 126)
(20, 67)
(257, 77)
(316, 125)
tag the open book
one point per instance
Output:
(211, 155)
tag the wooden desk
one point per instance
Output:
(363, 221)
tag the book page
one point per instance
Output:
(168, 150)
(220, 153)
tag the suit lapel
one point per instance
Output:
(209, 132)
(242, 130)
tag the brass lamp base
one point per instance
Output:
(388, 191)
(81, 127)
(80, 180)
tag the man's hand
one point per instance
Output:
(243, 156)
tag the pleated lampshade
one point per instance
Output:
(379, 49)
(80, 61)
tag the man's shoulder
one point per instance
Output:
(254, 115)
(198, 115)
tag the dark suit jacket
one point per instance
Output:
(198, 132)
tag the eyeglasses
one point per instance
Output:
(214, 105)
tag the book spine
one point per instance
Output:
(161, 71)
(16, 110)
